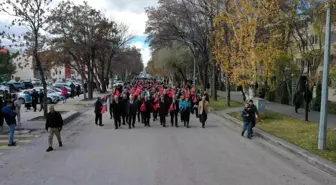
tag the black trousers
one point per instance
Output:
(139, 115)
(297, 106)
(173, 118)
(34, 104)
(117, 121)
(163, 119)
(41, 106)
(111, 111)
(203, 118)
(124, 119)
(99, 117)
(131, 120)
(72, 93)
(155, 114)
(146, 118)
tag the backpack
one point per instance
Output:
(143, 107)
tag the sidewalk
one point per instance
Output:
(72, 106)
(313, 116)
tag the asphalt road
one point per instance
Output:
(216, 155)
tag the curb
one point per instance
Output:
(311, 158)
(72, 116)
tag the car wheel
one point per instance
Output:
(49, 101)
(22, 101)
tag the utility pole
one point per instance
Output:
(306, 93)
(322, 137)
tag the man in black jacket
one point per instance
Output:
(54, 125)
(98, 109)
(133, 109)
(117, 110)
(35, 98)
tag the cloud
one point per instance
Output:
(144, 49)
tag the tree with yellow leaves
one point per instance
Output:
(247, 43)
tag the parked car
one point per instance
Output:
(28, 85)
(59, 90)
(36, 81)
(117, 83)
(51, 98)
(17, 85)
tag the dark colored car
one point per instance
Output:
(28, 85)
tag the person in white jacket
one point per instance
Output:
(17, 104)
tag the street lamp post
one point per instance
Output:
(324, 100)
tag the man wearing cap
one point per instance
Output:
(54, 125)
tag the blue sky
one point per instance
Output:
(140, 43)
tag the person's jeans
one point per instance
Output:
(11, 133)
(247, 125)
(64, 98)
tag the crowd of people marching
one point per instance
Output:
(145, 100)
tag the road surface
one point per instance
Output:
(216, 155)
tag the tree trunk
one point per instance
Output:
(39, 66)
(89, 81)
(228, 94)
(214, 82)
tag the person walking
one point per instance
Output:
(133, 109)
(203, 110)
(54, 125)
(28, 100)
(117, 111)
(125, 106)
(146, 109)
(41, 97)
(64, 94)
(78, 90)
(98, 113)
(174, 110)
(140, 118)
(9, 116)
(72, 88)
(111, 105)
(162, 111)
(254, 115)
(308, 96)
(17, 105)
(297, 101)
(1, 115)
(35, 98)
(246, 114)
(185, 111)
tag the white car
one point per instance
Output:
(51, 98)
(4, 88)
(36, 81)
(118, 83)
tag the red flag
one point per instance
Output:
(103, 110)
(156, 106)
(187, 95)
(117, 94)
(193, 90)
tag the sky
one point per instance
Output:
(130, 12)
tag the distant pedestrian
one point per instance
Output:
(117, 110)
(297, 100)
(1, 115)
(140, 100)
(203, 110)
(254, 115)
(72, 88)
(125, 108)
(54, 125)
(308, 96)
(174, 110)
(133, 109)
(35, 98)
(98, 112)
(17, 105)
(146, 108)
(111, 105)
(28, 100)
(185, 109)
(41, 96)
(162, 111)
(78, 90)
(9, 116)
(246, 114)
(64, 94)
(85, 87)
